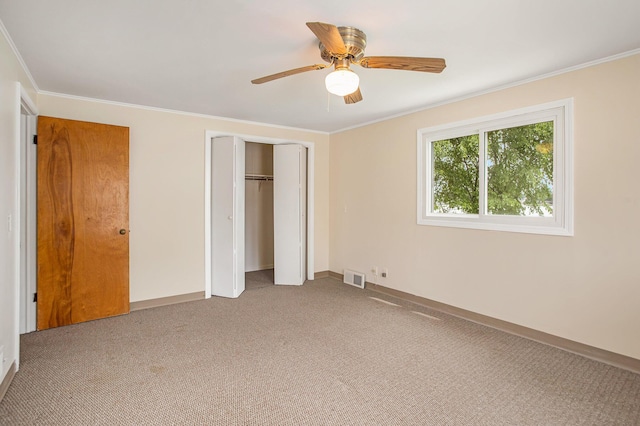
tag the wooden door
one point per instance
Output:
(82, 221)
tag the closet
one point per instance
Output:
(258, 214)
(275, 213)
(258, 221)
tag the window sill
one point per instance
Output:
(543, 227)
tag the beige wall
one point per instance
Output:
(167, 189)
(584, 288)
(11, 73)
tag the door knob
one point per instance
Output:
(123, 231)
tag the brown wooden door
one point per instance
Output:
(83, 221)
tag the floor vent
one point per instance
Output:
(354, 278)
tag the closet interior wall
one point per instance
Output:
(258, 207)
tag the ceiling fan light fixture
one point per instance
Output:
(342, 82)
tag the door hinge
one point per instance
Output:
(35, 139)
(35, 297)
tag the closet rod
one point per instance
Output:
(259, 177)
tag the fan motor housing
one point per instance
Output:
(355, 41)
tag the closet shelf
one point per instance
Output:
(258, 177)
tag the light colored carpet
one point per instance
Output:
(258, 279)
(321, 354)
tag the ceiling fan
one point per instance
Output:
(343, 46)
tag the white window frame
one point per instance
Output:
(561, 223)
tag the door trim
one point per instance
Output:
(25, 219)
(209, 135)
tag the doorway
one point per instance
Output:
(275, 214)
(31, 314)
(229, 219)
(258, 222)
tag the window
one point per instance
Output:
(506, 172)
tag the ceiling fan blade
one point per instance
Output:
(354, 97)
(404, 63)
(329, 35)
(288, 73)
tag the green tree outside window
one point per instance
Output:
(519, 172)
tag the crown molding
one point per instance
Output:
(18, 56)
(497, 88)
(173, 111)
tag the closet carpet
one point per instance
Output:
(324, 353)
(258, 279)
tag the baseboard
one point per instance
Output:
(321, 274)
(260, 268)
(337, 276)
(4, 386)
(190, 297)
(164, 301)
(597, 354)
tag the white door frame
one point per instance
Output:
(209, 135)
(26, 217)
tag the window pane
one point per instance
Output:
(520, 170)
(456, 175)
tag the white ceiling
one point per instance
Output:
(200, 55)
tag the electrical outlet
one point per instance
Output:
(385, 272)
(374, 271)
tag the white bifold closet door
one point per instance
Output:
(227, 216)
(289, 213)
